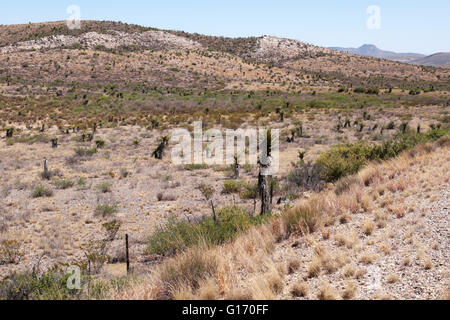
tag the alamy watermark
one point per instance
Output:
(74, 280)
(74, 20)
(246, 146)
(374, 20)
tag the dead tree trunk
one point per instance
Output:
(265, 195)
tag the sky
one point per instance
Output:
(396, 25)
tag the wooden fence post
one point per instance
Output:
(127, 254)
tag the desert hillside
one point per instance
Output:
(357, 210)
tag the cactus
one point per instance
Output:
(9, 132)
(347, 123)
(46, 174)
(403, 127)
(361, 127)
(159, 151)
(236, 167)
(301, 156)
(54, 143)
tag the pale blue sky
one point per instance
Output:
(406, 25)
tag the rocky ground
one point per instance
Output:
(398, 248)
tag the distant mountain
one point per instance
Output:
(437, 59)
(370, 50)
(441, 59)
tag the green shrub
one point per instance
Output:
(85, 152)
(104, 187)
(176, 236)
(250, 191)
(41, 191)
(346, 159)
(195, 166)
(373, 90)
(105, 209)
(63, 184)
(48, 286)
(232, 186)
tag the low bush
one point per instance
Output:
(232, 186)
(306, 176)
(63, 184)
(104, 187)
(346, 159)
(304, 217)
(41, 191)
(189, 270)
(176, 236)
(85, 152)
(48, 286)
(105, 209)
(10, 252)
(195, 166)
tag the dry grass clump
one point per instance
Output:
(350, 200)
(371, 174)
(347, 239)
(299, 289)
(380, 219)
(322, 260)
(385, 247)
(238, 294)
(344, 218)
(349, 271)
(304, 217)
(367, 258)
(360, 273)
(398, 210)
(367, 227)
(208, 290)
(392, 278)
(344, 184)
(350, 290)
(267, 285)
(186, 272)
(293, 265)
(275, 282)
(327, 292)
(406, 261)
(314, 268)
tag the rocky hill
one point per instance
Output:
(44, 54)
